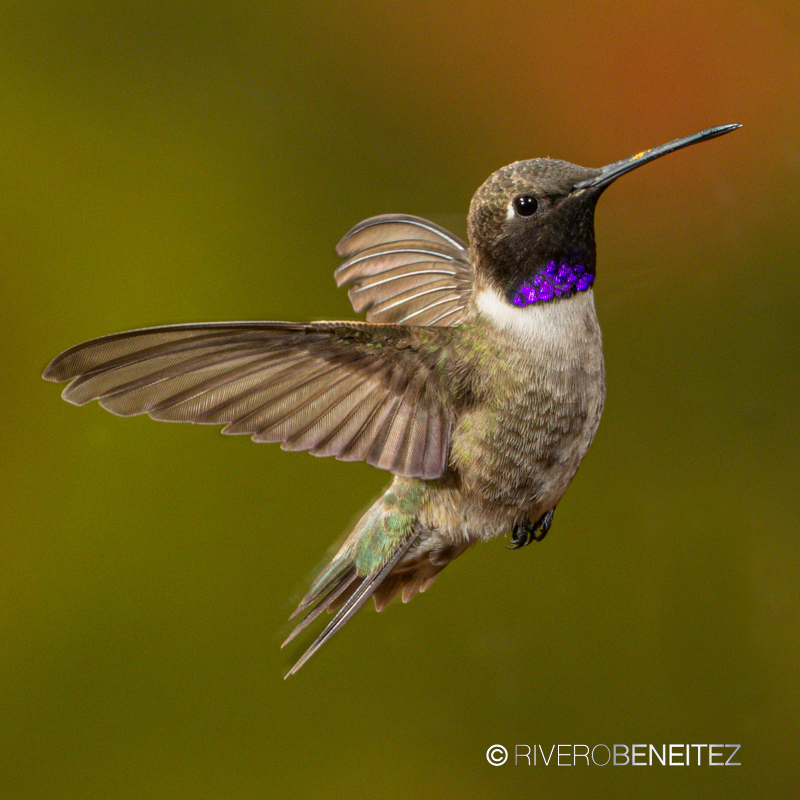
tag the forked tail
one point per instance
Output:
(373, 550)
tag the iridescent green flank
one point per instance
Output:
(391, 520)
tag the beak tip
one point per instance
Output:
(720, 129)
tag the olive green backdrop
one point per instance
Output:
(182, 161)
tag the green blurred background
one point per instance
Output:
(175, 162)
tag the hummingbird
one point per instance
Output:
(477, 379)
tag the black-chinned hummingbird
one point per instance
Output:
(477, 380)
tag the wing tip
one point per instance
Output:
(342, 251)
(56, 371)
(68, 394)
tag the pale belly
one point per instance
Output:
(514, 454)
(513, 470)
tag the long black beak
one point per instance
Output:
(613, 171)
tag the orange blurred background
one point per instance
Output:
(178, 162)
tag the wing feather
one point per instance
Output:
(356, 391)
(395, 228)
(405, 269)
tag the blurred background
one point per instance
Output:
(183, 162)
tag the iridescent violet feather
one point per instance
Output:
(553, 281)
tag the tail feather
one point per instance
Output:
(426, 584)
(343, 597)
(387, 553)
(346, 582)
(411, 588)
(337, 572)
(387, 591)
(357, 599)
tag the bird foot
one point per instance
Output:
(526, 532)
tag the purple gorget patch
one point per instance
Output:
(552, 282)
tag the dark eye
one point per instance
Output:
(525, 205)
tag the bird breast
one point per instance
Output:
(540, 394)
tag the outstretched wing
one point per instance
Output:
(355, 391)
(405, 270)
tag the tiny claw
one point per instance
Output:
(526, 531)
(517, 541)
(543, 525)
(521, 535)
